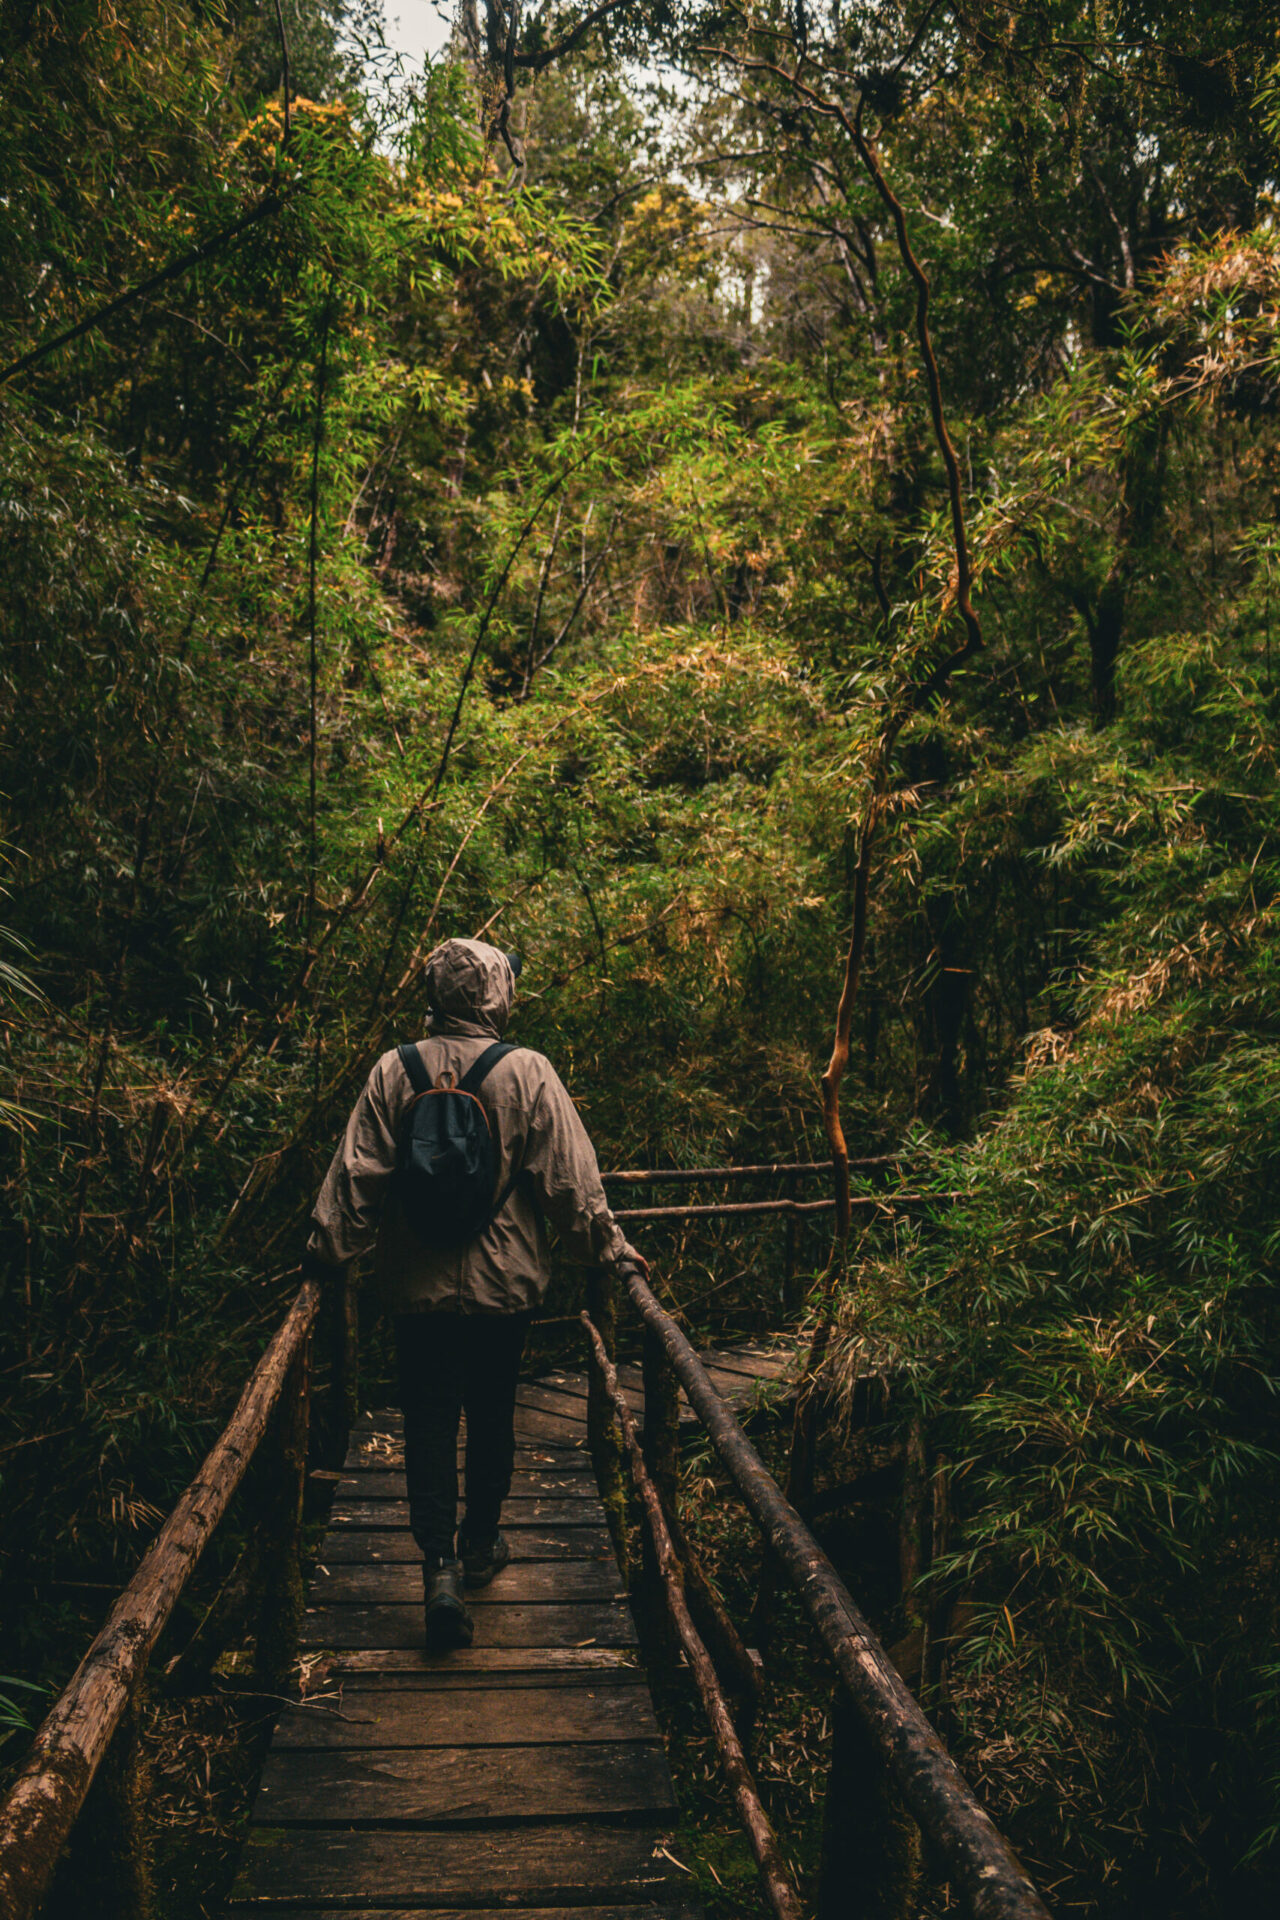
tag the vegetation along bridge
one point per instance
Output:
(527, 1771)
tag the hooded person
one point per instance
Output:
(462, 1312)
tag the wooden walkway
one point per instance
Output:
(524, 1772)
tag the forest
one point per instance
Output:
(769, 510)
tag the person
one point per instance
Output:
(462, 1314)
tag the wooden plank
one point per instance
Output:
(473, 1785)
(374, 1543)
(574, 1386)
(752, 1363)
(532, 1456)
(554, 1426)
(496, 1717)
(515, 1513)
(529, 1866)
(531, 1424)
(566, 1408)
(524, 1582)
(435, 1676)
(741, 1393)
(578, 1663)
(566, 1380)
(502, 1626)
(374, 1484)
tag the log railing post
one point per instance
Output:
(602, 1432)
(107, 1870)
(283, 1484)
(339, 1328)
(870, 1863)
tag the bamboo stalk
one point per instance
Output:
(778, 1886)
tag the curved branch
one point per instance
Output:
(570, 42)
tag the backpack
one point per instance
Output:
(446, 1157)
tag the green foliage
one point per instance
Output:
(610, 500)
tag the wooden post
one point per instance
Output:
(602, 1433)
(107, 1867)
(870, 1866)
(342, 1353)
(284, 1481)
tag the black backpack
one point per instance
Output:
(447, 1159)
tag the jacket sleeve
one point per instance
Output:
(561, 1161)
(345, 1217)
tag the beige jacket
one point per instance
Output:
(538, 1133)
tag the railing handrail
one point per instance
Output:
(730, 1209)
(681, 1176)
(931, 1785)
(41, 1807)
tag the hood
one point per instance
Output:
(470, 987)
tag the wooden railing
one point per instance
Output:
(87, 1750)
(789, 1207)
(885, 1752)
(88, 1744)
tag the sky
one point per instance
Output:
(415, 27)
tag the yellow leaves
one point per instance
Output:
(1045, 286)
(267, 130)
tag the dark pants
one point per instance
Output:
(448, 1363)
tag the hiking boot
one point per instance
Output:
(448, 1623)
(483, 1557)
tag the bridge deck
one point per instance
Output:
(524, 1772)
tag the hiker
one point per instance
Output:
(462, 1268)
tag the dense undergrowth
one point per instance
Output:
(459, 547)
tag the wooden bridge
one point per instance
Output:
(526, 1772)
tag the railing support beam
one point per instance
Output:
(107, 1871)
(603, 1437)
(870, 1866)
(282, 1597)
(779, 1888)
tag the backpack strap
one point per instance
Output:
(479, 1069)
(469, 1083)
(415, 1066)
